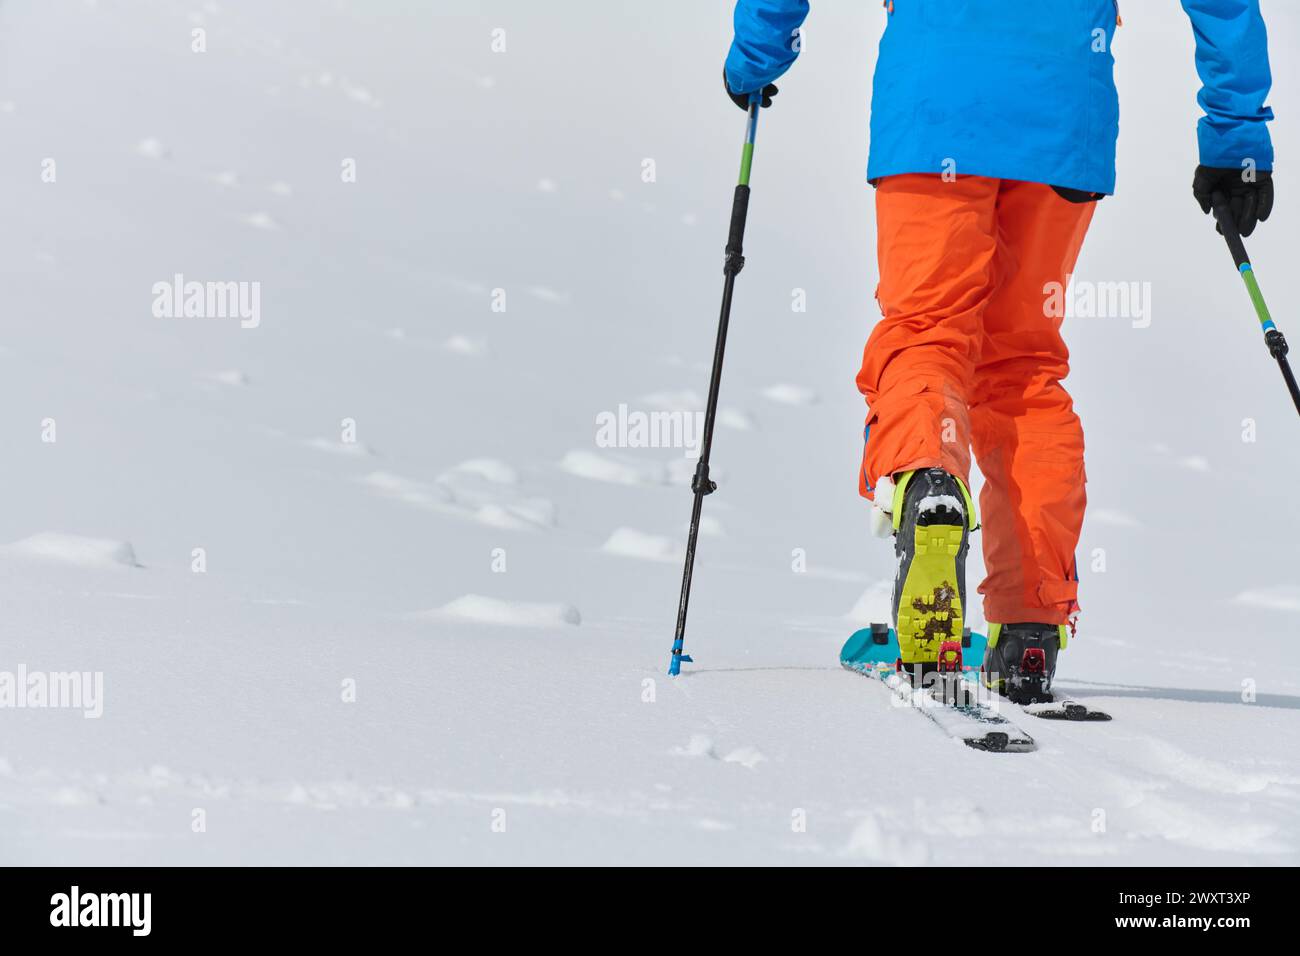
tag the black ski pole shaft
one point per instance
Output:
(701, 484)
(1273, 336)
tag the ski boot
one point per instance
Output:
(931, 513)
(1021, 660)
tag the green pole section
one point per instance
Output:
(747, 154)
(746, 161)
(1257, 298)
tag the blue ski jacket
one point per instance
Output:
(1021, 90)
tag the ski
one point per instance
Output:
(878, 645)
(1064, 710)
(975, 724)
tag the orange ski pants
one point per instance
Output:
(968, 352)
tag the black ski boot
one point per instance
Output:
(932, 536)
(1021, 660)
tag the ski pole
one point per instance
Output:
(701, 484)
(1273, 337)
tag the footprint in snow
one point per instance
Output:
(480, 489)
(701, 745)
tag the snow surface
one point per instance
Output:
(935, 502)
(445, 641)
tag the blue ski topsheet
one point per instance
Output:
(861, 652)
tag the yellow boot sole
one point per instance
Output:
(930, 611)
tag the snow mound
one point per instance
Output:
(486, 610)
(336, 447)
(151, 148)
(686, 400)
(479, 489)
(497, 472)
(747, 757)
(231, 376)
(546, 294)
(464, 345)
(588, 464)
(1283, 598)
(735, 418)
(630, 543)
(700, 745)
(482, 489)
(260, 220)
(1112, 518)
(790, 394)
(871, 840)
(76, 550)
(710, 526)
(406, 490)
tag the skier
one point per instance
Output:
(993, 129)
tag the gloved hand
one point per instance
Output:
(1250, 202)
(742, 99)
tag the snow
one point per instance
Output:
(75, 550)
(786, 394)
(935, 502)
(486, 610)
(343, 656)
(631, 543)
(603, 467)
(1282, 598)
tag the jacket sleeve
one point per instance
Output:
(1232, 62)
(765, 42)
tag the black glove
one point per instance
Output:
(742, 99)
(1250, 202)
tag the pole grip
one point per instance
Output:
(739, 211)
(1228, 226)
